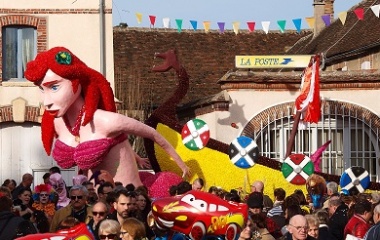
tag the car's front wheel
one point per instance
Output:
(197, 231)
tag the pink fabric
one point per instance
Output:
(59, 185)
(159, 184)
(86, 155)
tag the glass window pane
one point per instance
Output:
(19, 47)
(9, 53)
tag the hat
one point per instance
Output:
(255, 200)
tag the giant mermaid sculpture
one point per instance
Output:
(80, 113)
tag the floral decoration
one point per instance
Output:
(63, 58)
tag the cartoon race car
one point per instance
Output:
(197, 214)
(78, 232)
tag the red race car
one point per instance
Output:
(199, 214)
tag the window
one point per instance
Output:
(354, 142)
(19, 47)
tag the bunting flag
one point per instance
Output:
(376, 9)
(179, 24)
(236, 26)
(342, 17)
(139, 17)
(326, 19)
(194, 24)
(152, 20)
(221, 26)
(265, 25)
(251, 26)
(297, 24)
(206, 25)
(308, 102)
(359, 13)
(166, 22)
(310, 22)
(281, 24)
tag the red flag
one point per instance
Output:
(251, 26)
(152, 20)
(308, 102)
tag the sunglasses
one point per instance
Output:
(109, 236)
(100, 213)
(76, 197)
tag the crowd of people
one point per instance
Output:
(113, 211)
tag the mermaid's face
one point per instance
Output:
(57, 94)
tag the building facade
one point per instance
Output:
(29, 27)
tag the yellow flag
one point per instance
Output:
(310, 21)
(236, 26)
(342, 17)
(206, 25)
(139, 17)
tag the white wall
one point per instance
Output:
(247, 104)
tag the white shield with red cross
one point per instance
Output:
(297, 168)
(195, 134)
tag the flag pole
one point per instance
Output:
(290, 145)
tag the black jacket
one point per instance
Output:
(338, 221)
(12, 226)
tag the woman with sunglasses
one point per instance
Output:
(109, 230)
(99, 213)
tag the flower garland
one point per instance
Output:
(48, 208)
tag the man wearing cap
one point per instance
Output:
(255, 204)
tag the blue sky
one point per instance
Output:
(227, 11)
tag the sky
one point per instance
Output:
(227, 11)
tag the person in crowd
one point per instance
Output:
(77, 207)
(109, 230)
(132, 229)
(258, 186)
(249, 231)
(22, 203)
(43, 196)
(232, 195)
(374, 232)
(298, 228)
(124, 205)
(375, 198)
(86, 102)
(9, 183)
(103, 190)
(143, 204)
(99, 213)
(46, 178)
(332, 190)
(313, 223)
(255, 205)
(40, 221)
(214, 190)
(338, 212)
(5, 191)
(198, 184)
(26, 182)
(358, 225)
(180, 188)
(67, 222)
(277, 212)
(12, 226)
(323, 231)
(260, 223)
(59, 185)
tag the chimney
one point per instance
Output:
(322, 7)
